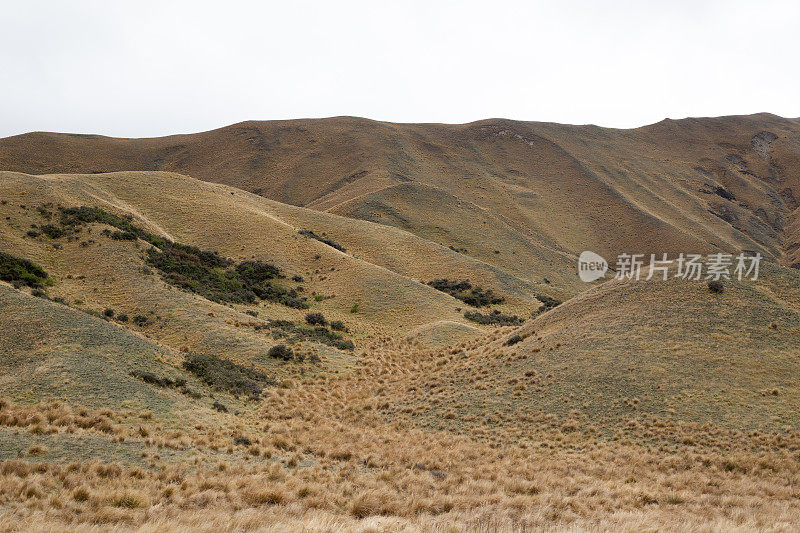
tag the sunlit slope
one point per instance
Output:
(545, 190)
(383, 270)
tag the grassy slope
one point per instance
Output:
(52, 351)
(634, 350)
(543, 189)
(387, 284)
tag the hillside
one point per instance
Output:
(382, 272)
(519, 195)
(342, 324)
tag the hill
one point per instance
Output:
(519, 195)
(344, 324)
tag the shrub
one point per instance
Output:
(548, 302)
(21, 271)
(109, 313)
(495, 318)
(54, 232)
(297, 278)
(226, 375)
(152, 379)
(466, 292)
(324, 240)
(204, 272)
(122, 317)
(242, 441)
(120, 235)
(514, 339)
(716, 286)
(316, 319)
(141, 320)
(280, 351)
(354, 309)
(338, 325)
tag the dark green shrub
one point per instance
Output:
(281, 351)
(109, 313)
(548, 302)
(54, 232)
(495, 318)
(120, 235)
(466, 292)
(338, 325)
(141, 320)
(316, 319)
(226, 375)
(21, 271)
(242, 441)
(716, 286)
(514, 339)
(344, 345)
(122, 317)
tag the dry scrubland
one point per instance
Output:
(141, 387)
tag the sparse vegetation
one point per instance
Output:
(283, 329)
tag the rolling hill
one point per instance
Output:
(519, 195)
(343, 324)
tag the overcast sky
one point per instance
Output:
(140, 68)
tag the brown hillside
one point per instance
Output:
(545, 191)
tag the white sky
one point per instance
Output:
(142, 68)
